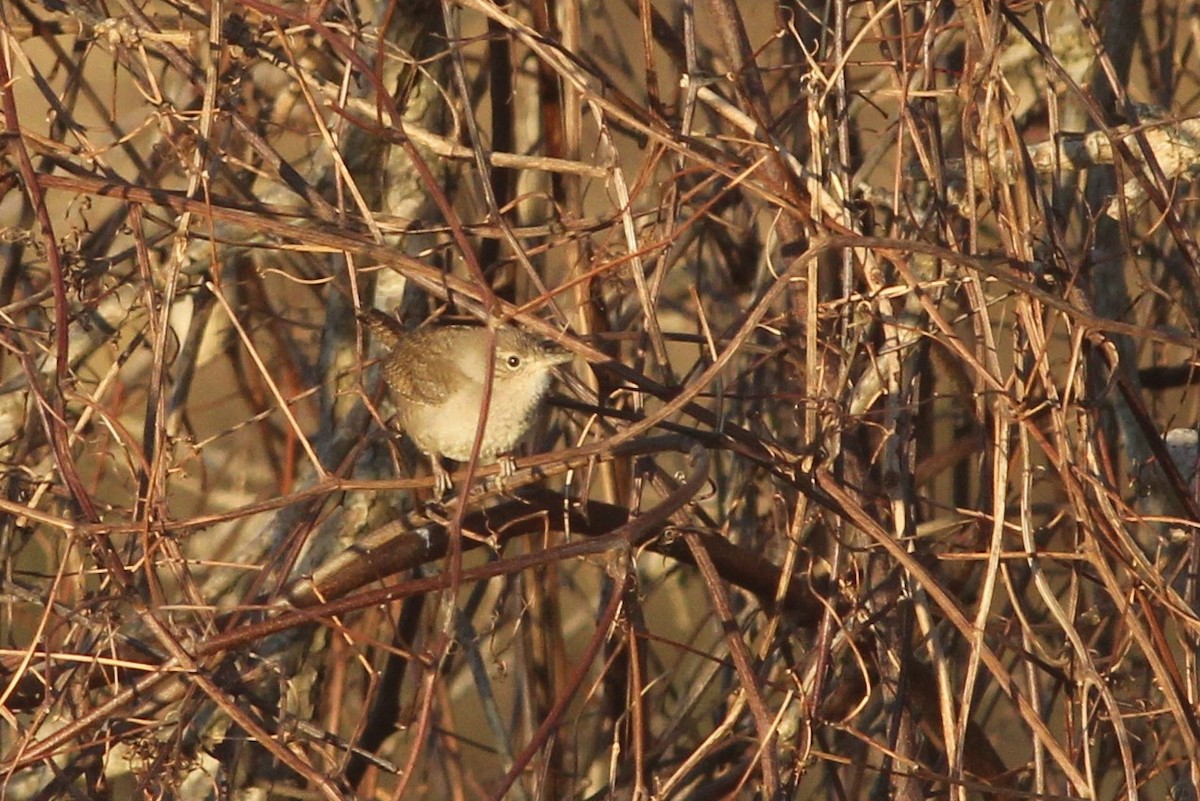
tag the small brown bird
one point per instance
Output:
(437, 377)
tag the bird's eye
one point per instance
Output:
(513, 362)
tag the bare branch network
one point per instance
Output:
(859, 483)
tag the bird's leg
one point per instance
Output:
(442, 483)
(508, 469)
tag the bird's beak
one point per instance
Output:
(557, 354)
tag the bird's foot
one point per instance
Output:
(442, 483)
(508, 469)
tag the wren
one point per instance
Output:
(436, 377)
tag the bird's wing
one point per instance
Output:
(414, 360)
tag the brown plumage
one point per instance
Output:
(437, 377)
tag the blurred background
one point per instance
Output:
(873, 477)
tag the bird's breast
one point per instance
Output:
(449, 428)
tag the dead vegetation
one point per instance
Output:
(857, 488)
